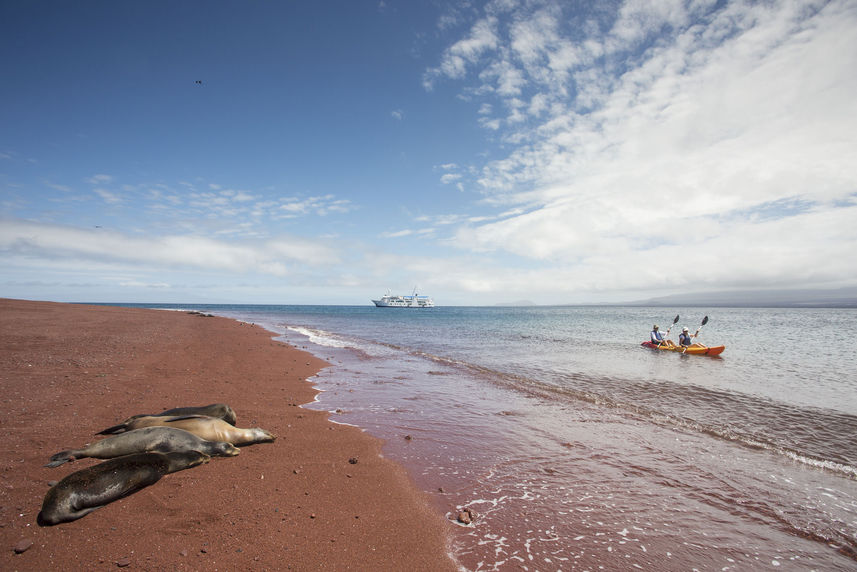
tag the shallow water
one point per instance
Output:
(576, 448)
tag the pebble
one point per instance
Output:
(23, 545)
(465, 516)
(123, 562)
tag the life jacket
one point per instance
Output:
(684, 339)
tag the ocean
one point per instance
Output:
(575, 448)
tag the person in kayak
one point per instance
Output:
(684, 337)
(657, 336)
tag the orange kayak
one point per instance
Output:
(693, 349)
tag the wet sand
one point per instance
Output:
(319, 497)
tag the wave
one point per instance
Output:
(319, 337)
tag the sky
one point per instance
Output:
(560, 152)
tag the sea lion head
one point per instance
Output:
(180, 460)
(222, 449)
(262, 436)
(227, 414)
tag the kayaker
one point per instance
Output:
(657, 337)
(685, 336)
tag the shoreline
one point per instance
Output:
(302, 502)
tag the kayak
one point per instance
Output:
(693, 349)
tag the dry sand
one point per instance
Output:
(320, 497)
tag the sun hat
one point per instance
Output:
(684, 329)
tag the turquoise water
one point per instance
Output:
(578, 448)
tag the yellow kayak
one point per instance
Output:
(693, 349)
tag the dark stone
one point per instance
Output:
(23, 545)
(466, 516)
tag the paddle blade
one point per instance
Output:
(704, 320)
(676, 319)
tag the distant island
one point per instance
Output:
(838, 298)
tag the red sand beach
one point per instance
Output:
(319, 497)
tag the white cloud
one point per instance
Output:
(140, 284)
(397, 234)
(50, 242)
(62, 188)
(466, 51)
(321, 205)
(100, 179)
(696, 116)
(108, 196)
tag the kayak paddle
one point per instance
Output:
(671, 325)
(704, 321)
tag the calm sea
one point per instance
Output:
(577, 449)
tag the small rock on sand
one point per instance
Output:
(22, 546)
(465, 516)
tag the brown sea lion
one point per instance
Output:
(219, 410)
(89, 489)
(209, 428)
(158, 439)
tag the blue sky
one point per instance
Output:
(324, 152)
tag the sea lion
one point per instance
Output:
(219, 410)
(158, 439)
(89, 489)
(209, 428)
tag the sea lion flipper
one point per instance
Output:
(115, 429)
(60, 458)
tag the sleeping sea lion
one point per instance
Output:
(89, 489)
(220, 410)
(209, 428)
(158, 439)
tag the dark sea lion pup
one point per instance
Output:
(158, 439)
(208, 428)
(219, 410)
(89, 489)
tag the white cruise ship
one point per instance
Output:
(412, 301)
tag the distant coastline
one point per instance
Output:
(804, 298)
(839, 298)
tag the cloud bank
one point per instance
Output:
(668, 144)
